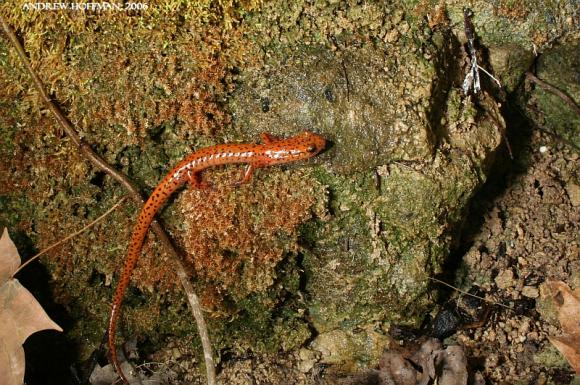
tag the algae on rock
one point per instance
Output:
(357, 97)
(559, 67)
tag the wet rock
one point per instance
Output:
(373, 108)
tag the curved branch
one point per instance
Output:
(102, 164)
(554, 90)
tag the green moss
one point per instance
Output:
(258, 327)
(550, 357)
(559, 67)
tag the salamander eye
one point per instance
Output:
(311, 149)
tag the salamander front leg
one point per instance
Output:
(196, 182)
(268, 138)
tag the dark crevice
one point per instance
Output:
(98, 179)
(302, 289)
(506, 168)
(448, 67)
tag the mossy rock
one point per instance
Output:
(408, 151)
(560, 68)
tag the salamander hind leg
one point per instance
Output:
(196, 182)
(246, 175)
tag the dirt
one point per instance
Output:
(529, 235)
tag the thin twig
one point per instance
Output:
(490, 75)
(71, 235)
(469, 294)
(100, 163)
(556, 91)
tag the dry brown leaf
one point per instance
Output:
(20, 315)
(568, 306)
(447, 366)
(9, 258)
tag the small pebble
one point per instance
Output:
(505, 279)
(530, 292)
(573, 191)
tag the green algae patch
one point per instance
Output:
(559, 67)
(391, 228)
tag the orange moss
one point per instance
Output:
(539, 37)
(117, 76)
(155, 269)
(235, 237)
(114, 71)
(438, 16)
(512, 9)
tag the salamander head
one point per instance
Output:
(302, 146)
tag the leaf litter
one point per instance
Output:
(424, 363)
(567, 303)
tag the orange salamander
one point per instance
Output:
(273, 151)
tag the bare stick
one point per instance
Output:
(70, 236)
(100, 163)
(554, 90)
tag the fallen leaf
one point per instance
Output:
(9, 257)
(20, 315)
(430, 363)
(423, 361)
(567, 303)
(107, 375)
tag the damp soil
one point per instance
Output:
(523, 232)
